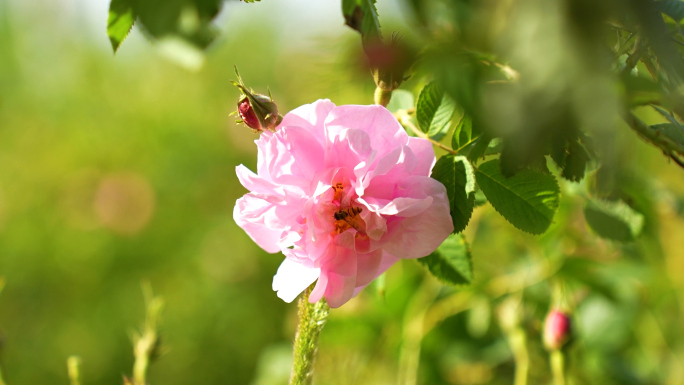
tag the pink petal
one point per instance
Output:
(255, 183)
(249, 215)
(367, 267)
(292, 278)
(425, 154)
(383, 129)
(376, 226)
(347, 148)
(385, 263)
(337, 278)
(418, 236)
(310, 117)
(294, 157)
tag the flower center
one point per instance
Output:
(348, 216)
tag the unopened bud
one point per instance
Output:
(557, 329)
(258, 112)
(388, 64)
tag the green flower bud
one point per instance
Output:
(257, 111)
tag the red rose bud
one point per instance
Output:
(256, 111)
(557, 329)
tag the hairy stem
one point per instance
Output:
(312, 317)
(557, 367)
(146, 344)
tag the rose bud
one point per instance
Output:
(255, 110)
(388, 64)
(557, 329)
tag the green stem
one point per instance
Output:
(404, 120)
(413, 330)
(382, 96)
(517, 339)
(312, 317)
(2, 286)
(73, 370)
(558, 367)
(669, 147)
(146, 345)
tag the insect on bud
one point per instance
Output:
(258, 112)
(557, 329)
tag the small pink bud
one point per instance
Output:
(557, 329)
(256, 111)
(247, 114)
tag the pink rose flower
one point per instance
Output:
(344, 193)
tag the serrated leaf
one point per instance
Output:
(575, 162)
(672, 8)
(456, 174)
(120, 22)
(401, 100)
(451, 262)
(434, 111)
(528, 200)
(613, 220)
(464, 134)
(673, 132)
(362, 16)
(479, 148)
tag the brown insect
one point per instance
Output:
(349, 218)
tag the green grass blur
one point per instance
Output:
(116, 170)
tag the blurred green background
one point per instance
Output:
(116, 170)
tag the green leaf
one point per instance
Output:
(362, 16)
(401, 100)
(479, 148)
(672, 8)
(575, 162)
(528, 200)
(456, 174)
(613, 220)
(121, 19)
(480, 198)
(671, 131)
(464, 135)
(451, 262)
(434, 111)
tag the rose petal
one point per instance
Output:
(310, 117)
(420, 235)
(293, 278)
(425, 155)
(383, 129)
(249, 215)
(385, 263)
(339, 270)
(255, 183)
(367, 266)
